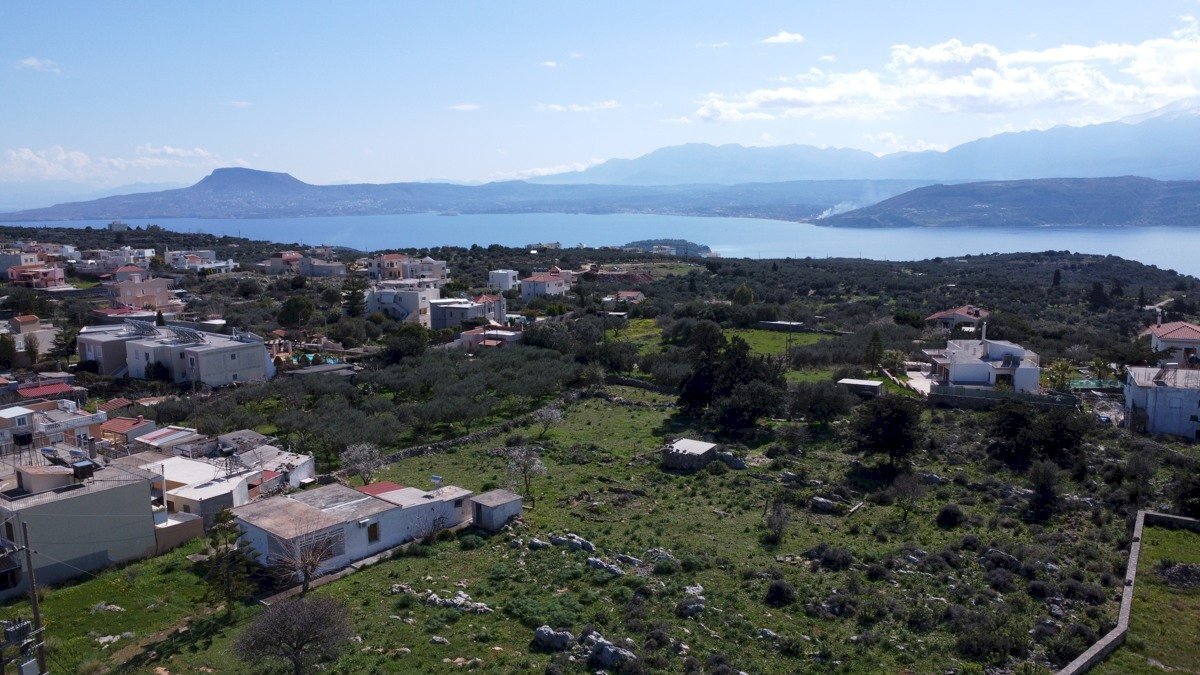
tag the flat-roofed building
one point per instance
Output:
(179, 354)
(81, 519)
(686, 454)
(493, 509)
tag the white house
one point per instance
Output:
(353, 524)
(504, 280)
(1163, 400)
(544, 283)
(187, 355)
(1181, 338)
(986, 364)
(405, 300)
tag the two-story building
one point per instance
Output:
(986, 364)
(390, 266)
(545, 284)
(405, 300)
(504, 280)
(1163, 400)
(141, 350)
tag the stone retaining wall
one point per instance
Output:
(1115, 637)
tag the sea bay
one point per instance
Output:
(1165, 247)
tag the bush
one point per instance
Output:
(471, 542)
(950, 516)
(780, 593)
(836, 559)
(1000, 579)
(666, 566)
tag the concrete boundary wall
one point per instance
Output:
(1105, 645)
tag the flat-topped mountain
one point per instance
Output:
(248, 193)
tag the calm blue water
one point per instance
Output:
(1171, 248)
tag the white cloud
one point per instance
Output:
(58, 163)
(577, 107)
(784, 38)
(237, 104)
(893, 142)
(952, 77)
(464, 107)
(677, 120)
(545, 170)
(711, 45)
(827, 58)
(576, 55)
(549, 64)
(40, 65)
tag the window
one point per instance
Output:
(372, 533)
(180, 356)
(235, 376)
(457, 503)
(192, 361)
(187, 508)
(21, 421)
(233, 357)
(9, 533)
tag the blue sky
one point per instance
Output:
(112, 93)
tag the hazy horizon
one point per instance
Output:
(481, 92)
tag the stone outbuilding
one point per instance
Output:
(686, 454)
(493, 509)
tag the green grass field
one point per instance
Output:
(1165, 622)
(772, 342)
(604, 483)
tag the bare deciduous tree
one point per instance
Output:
(303, 632)
(525, 464)
(778, 517)
(906, 491)
(361, 459)
(547, 417)
(301, 558)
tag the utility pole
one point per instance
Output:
(33, 601)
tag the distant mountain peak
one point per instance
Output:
(240, 178)
(1184, 107)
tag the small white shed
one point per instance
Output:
(493, 509)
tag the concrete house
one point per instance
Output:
(36, 424)
(985, 364)
(405, 300)
(969, 316)
(544, 284)
(1181, 338)
(121, 431)
(195, 486)
(11, 257)
(315, 267)
(504, 280)
(187, 355)
(39, 276)
(81, 519)
(391, 266)
(493, 509)
(686, 454)
(1163, 400)
(282, 262)
(137, 290)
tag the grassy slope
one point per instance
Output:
(1165, 621)
(613, 494)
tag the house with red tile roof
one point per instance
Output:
(968, 316)
(120, 431)
(1181, 338)
(545, 284)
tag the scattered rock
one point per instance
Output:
(823, 505)
(573, 541)
(548, 639)
(694, 590)
(767, 634)
(536, 544)
(106, 607)
(690, 606)
(604, 654)
(460, 601)
(930, 478)
(657, 554)
(438, 640)
(732, 460)
(1179, 575)
(629, 560)
(596, 563)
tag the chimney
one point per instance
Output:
(983, 338)
(1158, 315)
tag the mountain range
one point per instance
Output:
(1164, 144)
(1119, 202)
(248, 193)
(1011, 178)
